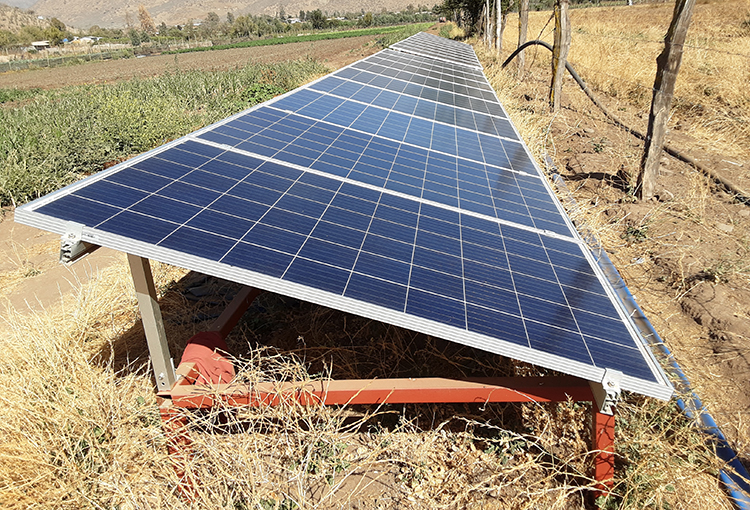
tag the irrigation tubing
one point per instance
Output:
(739, 194)
(736, 479)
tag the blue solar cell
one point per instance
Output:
(198, 243)
(138, 227)
(319, 276)
(397, 250)
(111, 193)
(188, 159)
(556, 341)
(137, 179)
(166, 209)
(328, 253)
(289, 221)
(534, 287)
(80, 210)
(377, 292)
(339, 234)
(255, 193)
(383, 268)
(275, 238)
(189, 193)
(436, 282)
(201, 149)
(436, 307)
(439, 243)
(257, 258)
(327, 84)
(628, 360)
(223, 224)
(392, 230)
(361, 204)
(163, 168)
(440, 261)
(496, 324)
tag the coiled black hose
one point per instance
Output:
(738, 193)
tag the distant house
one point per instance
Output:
(291, 21)
(40, 45)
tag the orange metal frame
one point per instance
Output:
(185, 393)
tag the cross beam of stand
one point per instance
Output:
(180, 389)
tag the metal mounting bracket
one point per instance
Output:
(72, 247)
(607, 393)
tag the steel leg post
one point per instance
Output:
(153, 324)
(174, 425)
(604, 445)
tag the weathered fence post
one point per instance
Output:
(523, 24)
(668, 65)
(559, 52)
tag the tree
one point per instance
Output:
(135, 37)
(366, 20)
(317, 19)
(668, 65)
(55, 32)
(147, 23)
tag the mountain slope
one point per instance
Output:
(105, 13)
(13, 18)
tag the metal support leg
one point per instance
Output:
(153, 324)
(174, 423)
(604, 443)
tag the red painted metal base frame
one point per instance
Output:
(186, 394)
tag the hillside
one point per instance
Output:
(13, 18)
(83, 14)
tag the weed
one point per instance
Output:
(634, 234)
(61, 136)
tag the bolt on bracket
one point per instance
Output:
(72, 247)
(607, 392)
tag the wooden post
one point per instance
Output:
(523, 24)
(559, 52)
(498, 26)
(668, 65)
(153, 324)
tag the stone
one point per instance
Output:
(725, 228)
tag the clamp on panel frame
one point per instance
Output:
(72, 246)
(607, 392)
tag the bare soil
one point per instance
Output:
(684, 255)
(334, 53)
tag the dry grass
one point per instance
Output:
(81, 428)
(615, 50)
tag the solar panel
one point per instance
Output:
(438, 47)
(396, 189)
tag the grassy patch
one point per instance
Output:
(61, 136)
(10, 95)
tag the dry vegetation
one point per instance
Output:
(80, 427)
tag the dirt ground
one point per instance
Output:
(333, 53)
(684, 255)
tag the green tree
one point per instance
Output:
(135, 37)
(317, 19)
(366, 20)
(55, 32)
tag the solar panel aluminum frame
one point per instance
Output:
(26, 214)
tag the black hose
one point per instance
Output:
(739, 194)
